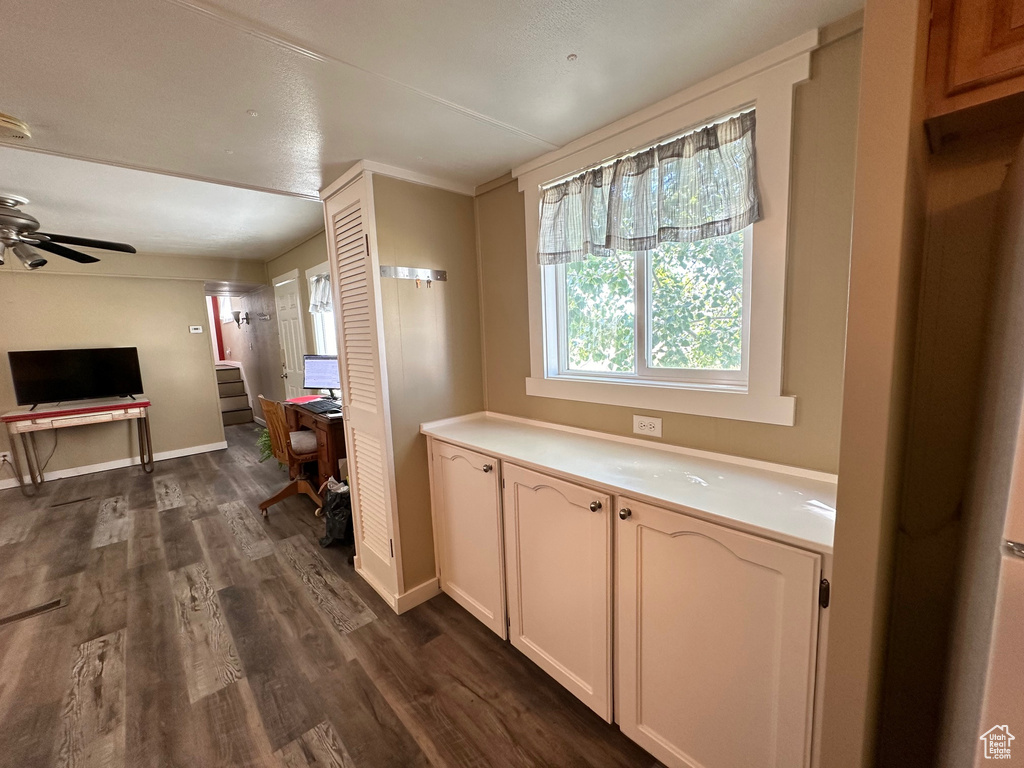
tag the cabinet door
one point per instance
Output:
(715, 643)
(467, 532)
(558, 565)
(354, 274)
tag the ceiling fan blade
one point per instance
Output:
(67, 253)
(87, 243)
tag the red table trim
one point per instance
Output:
(74, 410)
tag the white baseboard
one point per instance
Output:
(417, 595)
(407, 600)
(89, 469)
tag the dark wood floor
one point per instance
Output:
(196, 634)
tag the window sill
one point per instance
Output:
(719, 402)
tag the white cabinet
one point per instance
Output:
(558, 559)
(715, 643)
(467, 531)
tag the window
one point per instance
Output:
(680, 315)
(321, 310)
(674, 314)
(324, 334)
(226, 306)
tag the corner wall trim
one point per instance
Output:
(88, 469)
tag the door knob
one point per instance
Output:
(625, 513)
(487, 467)
(595, 506)
(284, 375)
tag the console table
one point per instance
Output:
(23, 424)
(330, 438)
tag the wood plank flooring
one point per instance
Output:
(197, 634)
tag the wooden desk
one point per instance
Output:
(24, 423)
(330, 438)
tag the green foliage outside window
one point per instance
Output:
(697, 304)
(695, 292)
(600, 314)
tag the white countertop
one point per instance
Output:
(781, 503)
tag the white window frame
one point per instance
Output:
(317, 321)
(766, 83)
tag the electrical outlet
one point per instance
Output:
(649, 426)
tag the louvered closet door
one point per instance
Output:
(361, 358)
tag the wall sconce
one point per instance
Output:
(240, 318)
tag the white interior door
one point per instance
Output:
(715, 643)
(363, 384)
(291, 332)
(467, 532)
(558, 559)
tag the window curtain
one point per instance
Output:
(700, 185)
(320, 295)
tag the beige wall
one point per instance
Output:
(819, 243)
(888, 231)
(432, 341)
(301, 257)
(963, 187)
(46, 310)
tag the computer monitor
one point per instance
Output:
(321, 372)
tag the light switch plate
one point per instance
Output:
(195, 329)
(648, 426)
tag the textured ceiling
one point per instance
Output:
(156, 213)
(462, 89)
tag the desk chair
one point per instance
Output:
(294, 449)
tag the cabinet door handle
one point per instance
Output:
(625, 513)
(595, 506)
(487, 467)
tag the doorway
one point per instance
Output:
(291, 332)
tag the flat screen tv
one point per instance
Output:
(57, 375)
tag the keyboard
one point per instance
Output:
(322, 406)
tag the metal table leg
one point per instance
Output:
(35, 472)
(145, 443)
(17, 463)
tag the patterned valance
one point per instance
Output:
(700, 185)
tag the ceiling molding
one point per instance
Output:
(487, 186)
(382, 169)
(247, 27)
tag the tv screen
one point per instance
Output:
(56, 375)
(320, 372)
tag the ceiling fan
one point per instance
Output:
(20, 232)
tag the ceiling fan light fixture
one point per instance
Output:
(13, 128)
(28, 257)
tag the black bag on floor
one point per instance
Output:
(337, 512)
